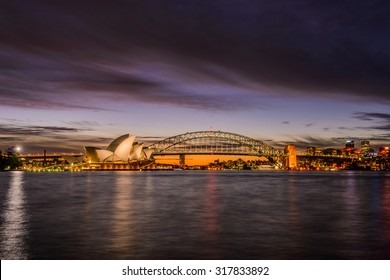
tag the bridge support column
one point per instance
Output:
(290, 157)
(182, 161)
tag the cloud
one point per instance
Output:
(93, 84)
(371, 116)
(52, 138)
(85, 124)
(345, 128)
(381, 120)
(10, 139)
(305, 141)
(69, 54)
(384, 138)
(309, 124)
(36, 138)
(35, 130)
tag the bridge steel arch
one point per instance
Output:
(254, 147)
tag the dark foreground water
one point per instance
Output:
(195, 215)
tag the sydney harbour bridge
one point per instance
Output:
(214, 143)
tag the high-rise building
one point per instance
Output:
(364, 147)
(314, 151)
(331, 152)
(290, 156)
(384, 151)
(350, 144)
(318, 151)
(349, 148)
(310, 151)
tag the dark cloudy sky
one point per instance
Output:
(76, 73)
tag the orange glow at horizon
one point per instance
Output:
(192, 160)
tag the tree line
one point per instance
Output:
(9, 159)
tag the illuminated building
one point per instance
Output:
(318, 151)
(73, 159)
(331, 152)
(349, 148)
(290, 157)
(136, 150)
(147, 153)
(310, 151)
(91, 154)
(314, 151)
(384, 151)
(122, 149)
(365, 147)
(350, 144)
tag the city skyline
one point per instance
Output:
(305, 73)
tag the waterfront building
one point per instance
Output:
(314, 151)
(318, 151)
(122, 149)
(331, 152)
(310, 151)
(365, 147)
(118, 150)
(73, 159)
(147, 153)
(91, 154)
(136, 150)
(349, 150)
(350, 145)
(384, 151)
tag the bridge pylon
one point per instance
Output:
(182, 161)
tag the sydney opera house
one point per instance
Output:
(122, 149)
(122, 153)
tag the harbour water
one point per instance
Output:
(195, 215)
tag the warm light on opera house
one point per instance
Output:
(123, 150)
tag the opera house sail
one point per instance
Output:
(118, 150)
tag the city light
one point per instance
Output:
(212, 150)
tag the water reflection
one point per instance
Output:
(211, 206)
(210, 216)
(88, 213)
(351, 219)
(386, 214)
(195, 215)
(294, 218)
(14, 229)
(121, 223)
